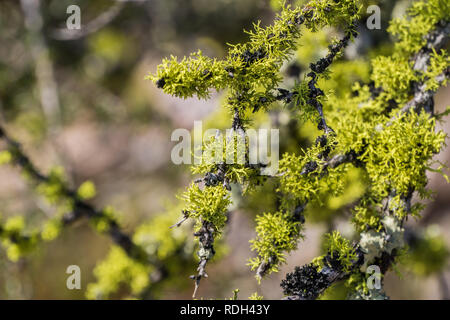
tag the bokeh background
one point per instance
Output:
(83, 103)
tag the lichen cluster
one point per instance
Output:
(372, 148)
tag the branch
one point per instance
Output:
(206, 252)
(308, 282)
(314, 92)
(206, 233)
(80, 207)
(436, 40)
(297, 216)
(320, 67)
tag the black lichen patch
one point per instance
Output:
(305, 282)
(161, 83)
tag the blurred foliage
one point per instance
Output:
(99, 81)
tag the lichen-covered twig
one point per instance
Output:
(310, 281)
(422, 95)
(320, 67)
(206, 251)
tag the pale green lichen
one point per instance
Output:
(374, 243)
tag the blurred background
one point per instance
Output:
(80, 100)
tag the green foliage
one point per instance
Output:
(398, 155)
(428, 253)
(300, 187)
(357, 288)
(338, 291)
(383, 153)
(388, 152)
(330, 13)
(192, 75)
(162, 245)
(117, 269)
(53, 189)
(339, 249)
(51, 229)
(5, 157)
(87, 190)
(276, 234)
(102, 222)
(365, 215)
(342, 75)
(438, 63)
(256, 296)
(394, 74)
(235, 294)
(232, 149)
(293, 182)
(157, 239)
(16, 242)
(424, 15)
(209, 204)
(251, 70)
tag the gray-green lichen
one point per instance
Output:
(374, 243)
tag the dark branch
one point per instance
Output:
(308, 282)
(81, 208)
